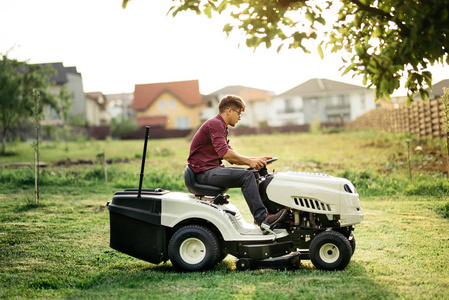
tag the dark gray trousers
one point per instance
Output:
(233, 177)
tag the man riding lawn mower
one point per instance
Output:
(298, 215)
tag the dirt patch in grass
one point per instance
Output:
(67, 163)
(428, 158)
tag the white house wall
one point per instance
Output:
(75, 87)
(255, 114)
(281, 112)
(325, 106)
(361, 103)
(105, 117)
(92, 113)
(261, 109)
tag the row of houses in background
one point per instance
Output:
(180, 105)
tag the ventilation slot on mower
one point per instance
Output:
(312, 203)
(347, 188)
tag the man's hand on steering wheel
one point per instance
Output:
(257, 163)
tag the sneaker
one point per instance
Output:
(273, 219)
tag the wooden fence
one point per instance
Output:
(422, 118)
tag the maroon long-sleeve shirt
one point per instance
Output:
(209, 145)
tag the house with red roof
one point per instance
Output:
(168, 105)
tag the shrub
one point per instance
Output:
(436, 188)
(443, 210)
(368, 183)
(122, 127)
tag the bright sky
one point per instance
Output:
(115, 48)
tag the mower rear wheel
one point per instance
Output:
(193, 248)
(330, 250)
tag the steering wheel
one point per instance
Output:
(271, 160)
(264, 170)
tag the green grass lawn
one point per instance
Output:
(60, 249)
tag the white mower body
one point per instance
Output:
(183, 207)
(317, 193)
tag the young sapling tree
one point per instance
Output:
(35, 120)
(445, 123)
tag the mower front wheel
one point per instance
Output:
(351, 240)
(330, 250)
(193, 248)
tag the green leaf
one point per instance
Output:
(384, 86)
(321, 20)
(279, 48)
(320, 49)
(208, 11)
(223, 5)
(228, 28)
(427, 78)
(359, 49)
(424, 94)
(349, 68)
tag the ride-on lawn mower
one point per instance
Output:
(197, 230)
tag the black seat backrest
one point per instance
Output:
(199, 189)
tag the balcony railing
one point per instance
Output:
(289, 111)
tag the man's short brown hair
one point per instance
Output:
(231, 101)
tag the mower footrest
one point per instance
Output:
(289, 261)
(263, 251)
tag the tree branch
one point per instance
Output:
(381, 13)
(286, 3)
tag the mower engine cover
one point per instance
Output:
(317, 193)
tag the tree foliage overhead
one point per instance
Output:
(382, 41)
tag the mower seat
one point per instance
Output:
(199, 189)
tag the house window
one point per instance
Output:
(342, 100)
(172, 103)
(362, 102)
(161, 104)
(182, 123)
(341, 118)
(338, 102)
(53, 114)
(289, 105)
(312, 101)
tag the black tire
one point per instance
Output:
(352, 243)
(223, 254)
(194, 248)
(330, 250)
